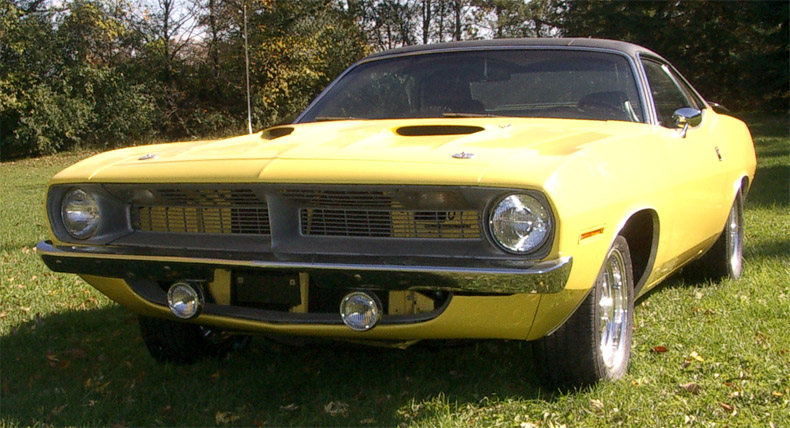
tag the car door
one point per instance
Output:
(693, 178)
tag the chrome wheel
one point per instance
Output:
(734, 240)
(595, 343)
(614, 311)
(725, 258)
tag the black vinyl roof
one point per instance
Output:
(629, 49)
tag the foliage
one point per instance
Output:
(62, 74)
(297, 49)
(735, 53)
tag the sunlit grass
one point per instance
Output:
(704, 353)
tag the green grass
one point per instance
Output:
(69, 356)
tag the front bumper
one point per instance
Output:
(370, 272)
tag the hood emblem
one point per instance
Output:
(463, 155)
(148, 156)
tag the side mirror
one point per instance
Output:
(685, 117)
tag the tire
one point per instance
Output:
(177, 342)
(725, 257)
(573, 355)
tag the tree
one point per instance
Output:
(734, 51)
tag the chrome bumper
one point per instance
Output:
(429, 274)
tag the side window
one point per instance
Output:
(684, 85)
(667, 96)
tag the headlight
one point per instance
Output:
(520, 223)
(80, 214)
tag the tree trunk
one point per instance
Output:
(457, 34)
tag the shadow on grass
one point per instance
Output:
(91, 367)
(768, 124)
(771, 187)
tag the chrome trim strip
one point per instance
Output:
(529, 277)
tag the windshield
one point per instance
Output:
(522, 83)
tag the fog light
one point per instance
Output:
(360, 311)
(185, 300)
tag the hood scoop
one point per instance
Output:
(430, 130)
(272, 133)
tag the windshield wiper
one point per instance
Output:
(331, 118)
(457, 114)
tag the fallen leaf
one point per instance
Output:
(166, 410)
(3, 314)
(57, 410)
(368, 421)
(596, 405)
(76, 353)
(691, 387)
(225, 418)
(24, 309)
(727, 407)
(696, 356)
(659, 349)
(336, 408)
(289, 407)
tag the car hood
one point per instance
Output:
(415, 151)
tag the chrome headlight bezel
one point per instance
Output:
(80, 213)
(113, 214)
(520, 243)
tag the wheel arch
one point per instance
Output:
(641, 232)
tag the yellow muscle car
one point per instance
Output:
(511, 189)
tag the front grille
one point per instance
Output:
(212, 211)
(395, 223)
(366, 212)
(383, 214)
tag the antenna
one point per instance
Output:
(247, 65)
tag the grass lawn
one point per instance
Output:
(704, 354)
